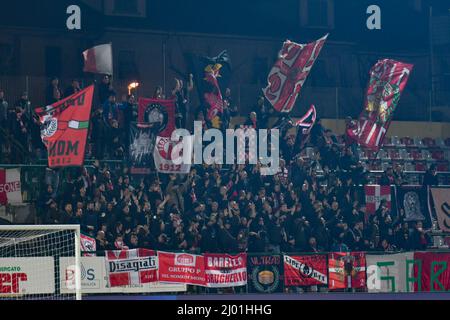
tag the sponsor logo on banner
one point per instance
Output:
(305, 270)
(265, 274)
(225, 271)
(94, 279)
(181, 268)
(441, 199)
(131, 267)
(25, 276)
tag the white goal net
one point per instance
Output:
(40, 262)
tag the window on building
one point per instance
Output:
(53, 61)
(126, 6)
(127, 65)
(131, 8)
(6, 58)
(318, 13)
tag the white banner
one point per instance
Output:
(20, 276)
(389, 273)
(94, 279)
(162, 154)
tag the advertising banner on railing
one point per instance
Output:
(181, 268)
(94, 279)
(20, 276)
(347, 270)
(223, 271)
(304, 271)
(265, 274)
(390, 273)
(127, 267)
(431, 272)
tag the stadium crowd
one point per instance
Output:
(229, 208)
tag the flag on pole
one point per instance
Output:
(64, 128)
(99, 59)
(388, 79)
(290, 72)
(212, 76)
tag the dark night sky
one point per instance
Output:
(403, 27)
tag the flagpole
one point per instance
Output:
(430, 29)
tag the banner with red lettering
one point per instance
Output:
(388, 79)
(432, 271)
(290, 72)
(347, 270)
(131, 267)
(64, 128)
(223, 271)
(10, 187)
(181, 268)
(303, 271)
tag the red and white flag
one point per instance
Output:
(223, 271)
(181, 268)
(346, 270)
(131, 267)
(287, 77)
(305, 271)
(99, 59)
(10, 187)
(374, 195)
(388, 79)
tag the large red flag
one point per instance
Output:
(290, 72)
(64, 128)
(388, 78)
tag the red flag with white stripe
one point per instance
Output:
(131, 267)
(99, 59)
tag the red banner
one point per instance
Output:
(64, 128)
(432, 272)
(305, 270)
(131, 267)
(181, 268)
(388, 79)
(223, 271)
(374, 195)
(347, 270)
(290, 72)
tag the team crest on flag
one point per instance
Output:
(305, 270)
(388, 79)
